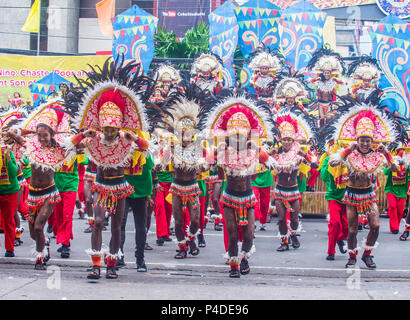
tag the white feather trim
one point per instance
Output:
(98, 88)
(248, 254)
(367, 247)
(364, 107)
(93, 252)
(302, 122)
(214, 114)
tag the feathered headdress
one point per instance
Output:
(239, 115)
(207, 62)
(325, 59)
(166, 74)
(364, 68)
(115, 96)
(265, 57)
(290, 87)
(293, 126)
(365, 120)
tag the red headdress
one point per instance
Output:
(364, 120)
(50, 114)
(239, 115)
(293, 126)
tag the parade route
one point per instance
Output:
(296, 274)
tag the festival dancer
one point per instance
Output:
(46, 129)
(67, 181)
(363, 126)
(288, 160)
(289, 93)
(364, 74)
(214, 189)
(162, 208)
(7, 121)
(206, 73)
(187, 158)
(110, 104)
(140, 178)
(329, 67)
(267, 67)
(238, 125)
(397, 184)
(337, 222)
(261, 188)
(167, 81)
(9, 188)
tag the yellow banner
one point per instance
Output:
(17, 73)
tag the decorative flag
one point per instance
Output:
(32, 23)
(105, 12)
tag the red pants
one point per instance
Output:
(262, 206)
(8, 206)
(81, 173)
(226, 237)
(338, 227)
(63, 211)
(163, 211)
(395, 211)
(202, 214)
(22, 206)
(312, 178)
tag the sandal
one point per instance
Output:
(95, 273)
(283, 247)
(367, 259)
(193, 249)
(40, 266)
(147, 247)
(244, 266)
(295, 241)
(341, 245)
(404, 236)
(234, 274)
(111, 274)
(181, 254)
(18, 242)
(351, 263)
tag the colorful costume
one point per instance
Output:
(206, 73)
(186, 161)
(233, 117)
(361, 121)
(168, 79)
(112, 102)
(328, 66)
(288, 163)
(290, 88)
(266, 66)
(364, 75)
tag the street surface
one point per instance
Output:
(297, 274)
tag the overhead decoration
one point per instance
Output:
(258, 22)
(134, 36)
(223, 38)
(302, 33)
(391, 41)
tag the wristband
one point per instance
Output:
(345, 153)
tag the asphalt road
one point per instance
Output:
(297, 274)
